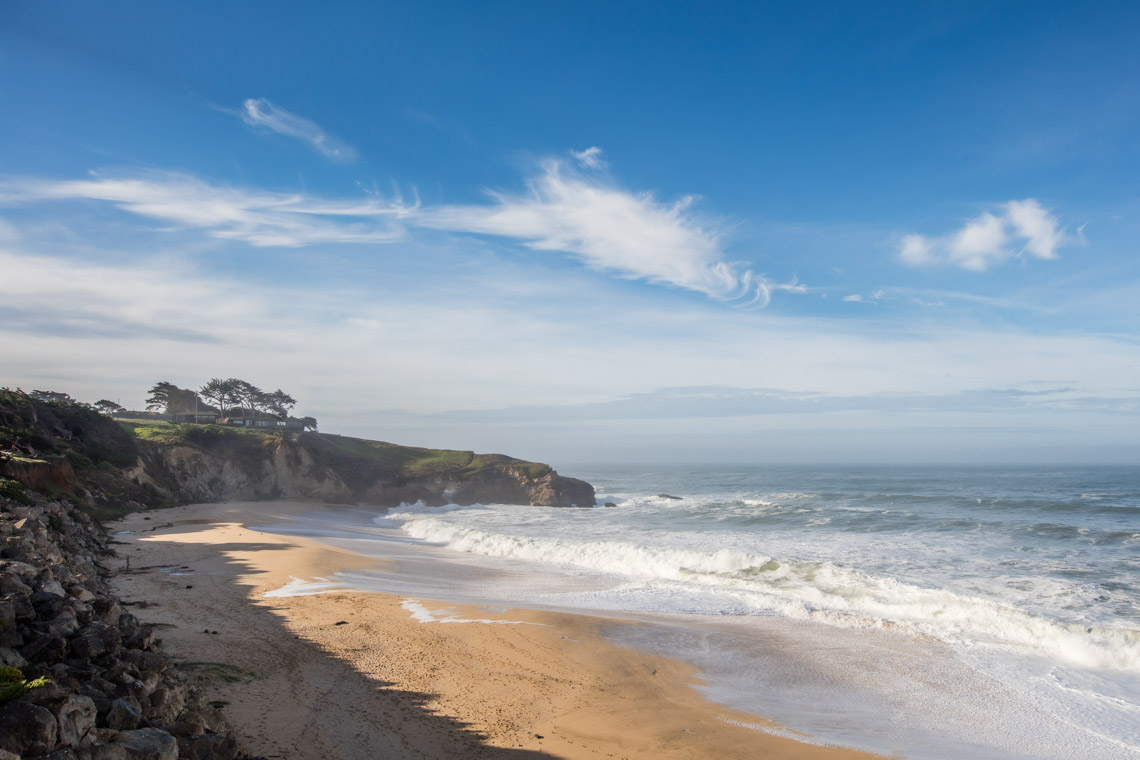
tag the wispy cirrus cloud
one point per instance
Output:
(606, 227)
(1018, 228)
(260, 113)
(611, 229)
(260, 218)
(591, 157)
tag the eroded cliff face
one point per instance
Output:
(315, 467)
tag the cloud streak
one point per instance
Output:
(260, 218)
(610, 229)
(606, 227)
(261, 114)
(1018, 229)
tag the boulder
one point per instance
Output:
(11, 658)
(95, 639)
(64, 624)
(47, 605)
(208, 747)
(125, 714)
(75, 717)
(107, 610)
(140, 744)
(53, 587)
(45, 648)
(10, 583)
(27, 729)
(167, 703)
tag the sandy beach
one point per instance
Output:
(356, 675)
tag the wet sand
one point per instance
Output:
(367, 675)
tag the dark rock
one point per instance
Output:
(125, 714)
(47, 605)
(145, 662)
(609, 504)
(45, 648)
(10, 583)
(64, 753)
(64, 624)
(22, 608)
(167, 703)
(107, 610)
(27, 729)
(95, 640)
(11, 658)
(53, 587)
(141, 638)
(208, 747)
(10, 636)
(46, 695)
(667, 496)
(144, 744)
(189, 723)
(75, 716)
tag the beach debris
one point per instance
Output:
(341, 622)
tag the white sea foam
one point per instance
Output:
(818, 591)
(424, 615)
(300, 587)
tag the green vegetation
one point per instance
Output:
(13, 683)
(419, 462)
(14, 490)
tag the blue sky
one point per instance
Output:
(892, 232)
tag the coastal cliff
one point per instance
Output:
(80, 675)
(127, 464)
(213, 464)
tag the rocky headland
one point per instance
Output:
(80, 677)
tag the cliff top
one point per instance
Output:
(125, 464)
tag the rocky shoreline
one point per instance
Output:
(111, 693)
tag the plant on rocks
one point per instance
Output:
(13, 683)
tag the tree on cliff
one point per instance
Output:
(50, 396)
(309, 423)
(279, 403)
(108, 407)
(222, 392)
(172, 399)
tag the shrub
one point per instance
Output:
(13, 683)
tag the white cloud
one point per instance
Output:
(166, 319)
(258, 217)
(591, 157)
(610, 229)
(856, 298)
(606, 227)
(1019, 228)
(259, 112)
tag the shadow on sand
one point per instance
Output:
(321, 707)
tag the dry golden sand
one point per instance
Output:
(354, 675)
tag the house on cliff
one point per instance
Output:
(262, 420)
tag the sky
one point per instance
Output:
(817, 232)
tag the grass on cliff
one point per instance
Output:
(172, 432)
(410, 461)
(421, 462)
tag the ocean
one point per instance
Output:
(929, 612)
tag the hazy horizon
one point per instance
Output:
(818, 233)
